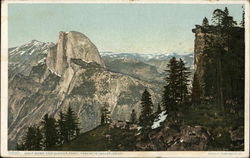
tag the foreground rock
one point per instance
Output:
(173, 138)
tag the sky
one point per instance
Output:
(121, 28)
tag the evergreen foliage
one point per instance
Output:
(217, 17)
(222, 19)
(29, 139)
(242, 23)
(50, 132)
(32, 139)
(105, 115)
(133, 117)
(205, 22)
(38, 139)
(62, 129)
(171, 87)
(175, 91)
(196, 91)
(183, 80)
(221, 50)
(53, 133)
(71, 123)
(146, 109)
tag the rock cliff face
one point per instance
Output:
(73, 75)
(218, 65)
(72, 45)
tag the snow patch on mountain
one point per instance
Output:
(159, 119)
(30, 48)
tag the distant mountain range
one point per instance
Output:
(144, 56)
(145, 66)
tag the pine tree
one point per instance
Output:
(196, 91)
(38, 139)
(146, 109)
(221, 18)
(176, 89)
(133, 117)
(218, 16)
(62, 129)
(226, 11)
(29, 139)
(50, 132)
(71, 123)
(167, 99)
(32, 139)
(172, 78)
(242, 23)
(105, 115)
(170, 92)
(183, 81)
(205, 22)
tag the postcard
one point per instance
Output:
(125, 78)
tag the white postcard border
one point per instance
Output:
(4, 89)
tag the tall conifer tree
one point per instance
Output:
(32, 139)
(29, 138)
(62, 129)
(105, 115)
(71, 123)
(242, 23)
(205, 22)
(50, 132)
(170, 93)
(196, 91)
(182, 81)
(146, 109)
(38, 139)
(133, 117)
(176, 89)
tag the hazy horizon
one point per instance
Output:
(119, 28)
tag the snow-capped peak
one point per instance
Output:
(33, 46)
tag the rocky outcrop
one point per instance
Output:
(174, 138)
(72, 45)
(219, 62)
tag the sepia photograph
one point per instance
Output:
(125, 78)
